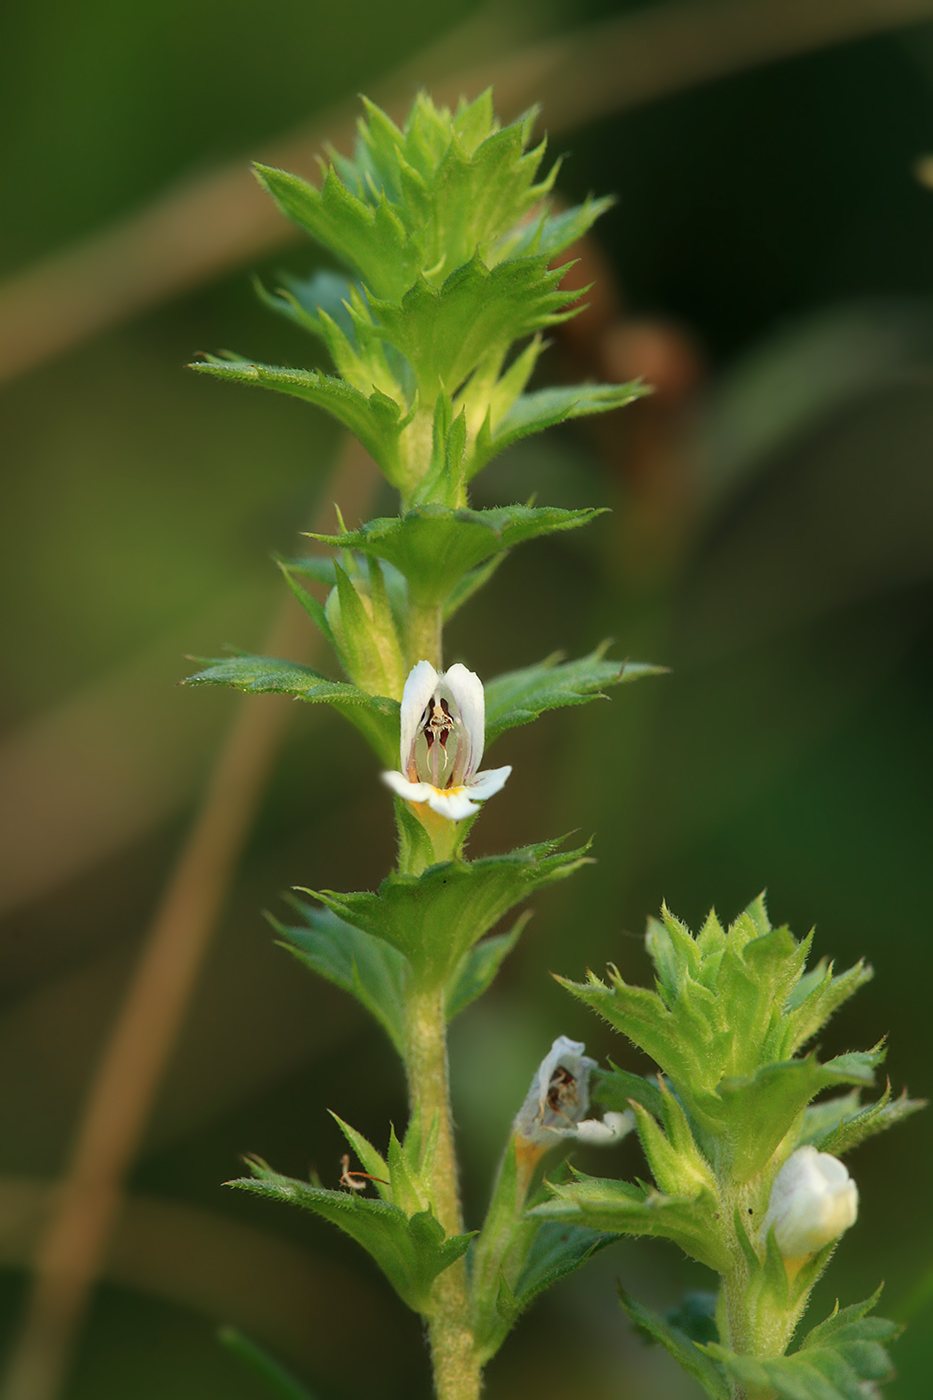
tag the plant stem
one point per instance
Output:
(425, 627)
(456, 1367)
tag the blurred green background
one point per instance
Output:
(769, 264)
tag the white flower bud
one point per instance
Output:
(813, 1200)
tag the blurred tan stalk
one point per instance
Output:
(119, 1101)
(222, 220)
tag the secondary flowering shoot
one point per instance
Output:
(558, 1099)
(443, 731)
(813, 1200)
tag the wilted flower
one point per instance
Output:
(559, 1097)
(813, 1200)
(443, 730)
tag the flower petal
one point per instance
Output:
(419, 687)
(451, 803)
(466, 690)
(492, 781)
(412, 792)
(602, 1133)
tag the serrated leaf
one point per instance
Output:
(311, 605)
(376, 419)
(445, 332)
(479, 966)
(434, 546)
(838, 1360)
(756, 1113)
(557, 1250)
(857, 1124)
(521, 696)
(806, 1015)
(372, 1161)
(376, 716)
(436, 917)
(410, 1251)
(545, 408)
(370, 969)
(626, 1209)
(685, 1352)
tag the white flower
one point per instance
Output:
(559, 1097)
(443, 733)
(813, 1200)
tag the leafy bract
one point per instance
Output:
(434, 546)
(840, 1131)
(375, 418)
(625, 1208)
(427, 197)
(546, 408)
(686, 1352)
(839, 1359)
(521, 696)
(435, 918)
(729, 1009)
(479, 965)
(556, 1249)
(370, 969)
(376, 716)
(410, 1250)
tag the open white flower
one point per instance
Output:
(813, 1200)
(443, 733)
(559, 1097)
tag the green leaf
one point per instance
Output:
(377, 420)
(373, 1161)
(532, 413)
(521, 696)
(756, 1113)
(839, 1359)
(436, 917)
(366, 967)
(857, 1124)
(479, 965)
(816, 998)
(434, 546)
(312, 607)
(685, 1352)
(444, 333)
(410, 1251)
(376, 716)
(557, 1250)
(627, 1209)
(616, 1088)
(280, 1381)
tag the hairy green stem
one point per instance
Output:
(456, 1367)
(425, 628)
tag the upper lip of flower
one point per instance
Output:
(443, 730)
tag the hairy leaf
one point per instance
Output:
(436, 917)
(839, 1359)
(685, 1352)
(521, 696)
(411, 1251)
(368, 968)
(434, 546)
(375, 715)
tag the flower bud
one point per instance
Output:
(813, 1200)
